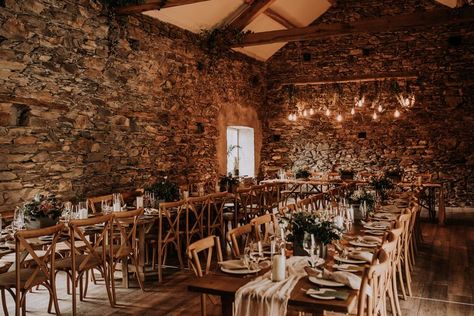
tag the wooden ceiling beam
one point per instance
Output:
(255, 8)
(346, 79)
(277, 17)
(405, 22)
(153, 5)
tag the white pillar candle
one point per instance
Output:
(260, 250)
(116, 206)
(139, 202)
(278, 268)
(83, 213)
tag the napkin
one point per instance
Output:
(340, 295)
(371, 239)
(233, 264)
(349, 279)
(361, 255)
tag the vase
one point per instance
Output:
(40, 222)
(322, 250)
(298, 249)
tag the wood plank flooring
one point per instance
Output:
(442, 286)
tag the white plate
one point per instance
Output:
(376, 227)
(375, 232)
(362, 244)
(322, 291)
(347, 260)
(239, 271)
(324, 282)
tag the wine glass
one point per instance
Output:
(309, 246)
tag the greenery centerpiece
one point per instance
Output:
(42, 211)
(228, 183)
(302, 174)
(299, 223)
(347, 174)
(362, 197)
(164, 190)
(381, 184)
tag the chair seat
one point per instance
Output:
(66, 263)
(8, 279)
(123, 253)
(11, 257)
(62, 246)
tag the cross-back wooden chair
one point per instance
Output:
(196, 209)
(305, 205)
(125, 223)
(215, 215)
(317, 201)
(94, 203)
(247, 206)
(375, 277)
(210, 244)
(38, 271)
(289, 208)
(403, 268)
(390, 248)
(395, 234)
(264, 226)
(271, 198)
(92, 256)
(170, 215)
(239, 237)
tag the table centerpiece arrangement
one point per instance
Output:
(42, 211)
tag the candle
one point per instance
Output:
(278, 268)
(260, 250)
(117, 207)
(139, 202)
(272, 247)
(313, 243)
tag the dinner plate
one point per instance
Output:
(322, 291)
(239, 271)
(362, 244)
(324, 282)
(375, 232)
(347, 260)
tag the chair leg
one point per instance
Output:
(73, 287)
(395, 293)
(408, 277)
(23, 305)
(137, 275)
(203, 305)
(112, 281)
(106, 275)
(400, 279)
(4, 302)
(392, 300)
(81, 288)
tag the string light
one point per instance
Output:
(375, 116)
(328, 112)
(311, 111)
(396, 113)
(353, 111)
(380, 108)
(339, 117)
(360, 102)
(305, 113)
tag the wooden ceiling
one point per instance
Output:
(273, 23)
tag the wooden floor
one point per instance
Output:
(443, 282)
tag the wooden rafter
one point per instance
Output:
(256, 8)
(405, 22)
(277, 17)
(346, 79)
(154, 5)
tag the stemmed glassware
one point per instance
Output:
(18, 219)
(309, 245)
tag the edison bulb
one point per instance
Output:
(374, 116)
(380, 108)
(353, 111)
(396, 113)
(328, 112)
(305, 113)
(339, 117)
(311, 111)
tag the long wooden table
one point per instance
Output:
(429, 202)
(226, 285)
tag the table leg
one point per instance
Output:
(124, 268)
(441, 207)
(141, 253)
(227, 304)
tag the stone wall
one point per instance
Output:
(436, 135)
(91, 104)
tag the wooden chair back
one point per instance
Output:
(317, 201)
(264, 226)
(210, 244)
(239, 236)
(215, 215)
(375, 278)
(126, 224)
(305, 205)
(94, 203)
(195, 210)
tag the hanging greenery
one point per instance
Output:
(217, 41)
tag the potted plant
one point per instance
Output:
(394, 173)
(164, 190)
(230, 150)
(42, 211)
(324, 231)
(346, 174)
(302, 174)
(229, 183)
(381, 185)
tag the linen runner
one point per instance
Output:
(262, 296)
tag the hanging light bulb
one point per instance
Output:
(374, 116)
(290, 117)
(360, 102)
(305, 113)
(396, 113)
(339, 117)
(353, 111)
(380, 108)
(311, 111)
(328, 112)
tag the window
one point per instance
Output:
(240, 151)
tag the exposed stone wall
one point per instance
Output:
(91, 105)
(437, 135)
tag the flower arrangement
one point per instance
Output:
(381, 185)
(164, 190)
(324, 230)
(302, 174)
(42, 207)
(360, 196)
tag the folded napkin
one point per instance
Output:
(361, 255)
(371, 239)
(234, 264)
(338, 294)
(349, 279)
(264, 297)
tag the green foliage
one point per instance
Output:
(218, 41)
(164, 190)
(362, 195)
(42, 206)
(302, 174)
(381, 185)
(227, 183)
(324, 231)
